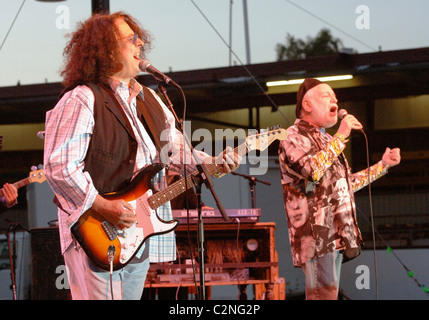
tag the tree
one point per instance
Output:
(323, 44)
(294, 49)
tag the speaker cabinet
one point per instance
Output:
(49, 279)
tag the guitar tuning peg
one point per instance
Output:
(40, 166)
(33, 168)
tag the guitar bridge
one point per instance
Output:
(109, 229)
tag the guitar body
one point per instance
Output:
(96, 235)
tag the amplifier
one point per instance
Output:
(250, 215)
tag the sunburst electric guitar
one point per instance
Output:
(33, 176)
(99, 238)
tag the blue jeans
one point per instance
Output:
(88, 282)
(322, 277)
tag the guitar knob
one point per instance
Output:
(125, 246)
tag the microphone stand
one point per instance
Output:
(203, 177)
(12, 251)
(252, 184)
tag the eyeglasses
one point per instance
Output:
(132, 39)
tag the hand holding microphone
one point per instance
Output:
(348, 123)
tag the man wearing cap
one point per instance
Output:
(312, 165)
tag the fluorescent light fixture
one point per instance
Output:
(299, 81)
(284, 82)
(336, 78)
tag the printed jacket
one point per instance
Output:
(318, 191)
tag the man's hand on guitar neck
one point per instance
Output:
(10, 194)
(118, 212)
(226, 162)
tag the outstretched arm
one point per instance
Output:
(391, 158)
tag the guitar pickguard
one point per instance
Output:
(147, 225)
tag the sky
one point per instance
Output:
(195, 34)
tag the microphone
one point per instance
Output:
(41, 135)
(342, 113)
(146, 66)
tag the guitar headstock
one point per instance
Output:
(262, 140)
(37, 176)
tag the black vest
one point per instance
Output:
(111, 156)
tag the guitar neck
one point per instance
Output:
(180, 186)
(18, 184)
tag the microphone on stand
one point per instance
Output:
(146, 66)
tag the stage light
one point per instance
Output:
(299, 81)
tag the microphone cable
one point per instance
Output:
(341, 114)
(180, 126)
(408, 270)
(371, 212)
(111, 252)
